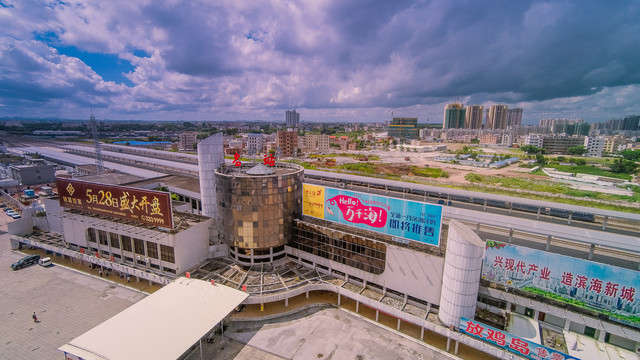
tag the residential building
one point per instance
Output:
(316, 143)
(514, 117)
(489, 138)
(255, 144)
(558, 144)
(187, 140)
(473, 117)
(292, 119)
(454, 116)
(497, 117)
(613, 144)
(287, 143)
(594, 145)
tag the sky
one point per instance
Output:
(331, 60)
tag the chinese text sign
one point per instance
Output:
(396, 217)
(146, 206)
(595, 286)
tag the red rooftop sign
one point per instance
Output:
(145, 206)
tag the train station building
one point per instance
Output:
(492, 282)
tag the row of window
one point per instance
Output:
(137, 246)
(353, 251)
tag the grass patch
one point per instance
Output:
(365, 168)
(588, 169)
(547, 187)
(333, 155)
(429, 172)
(304, 164)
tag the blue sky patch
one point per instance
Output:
(109, 66)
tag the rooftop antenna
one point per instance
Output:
(96, 144)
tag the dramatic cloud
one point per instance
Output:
(332, 60)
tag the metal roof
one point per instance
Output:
(163, 325)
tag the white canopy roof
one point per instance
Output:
(161, 326)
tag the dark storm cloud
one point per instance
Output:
(361, 56)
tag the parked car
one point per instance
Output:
(45, 262)
(25, 261)
(16, 216)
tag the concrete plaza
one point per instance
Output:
(67, 303)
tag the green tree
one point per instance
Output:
(579, 162)
(475, 141)
(622, 166)
(540, 160)
(577, 150)
(629, 154)
(531, 149)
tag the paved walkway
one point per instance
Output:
(68, 303)
(312, 334)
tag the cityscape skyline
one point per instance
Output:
(346, 62)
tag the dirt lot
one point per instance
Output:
(394, 162)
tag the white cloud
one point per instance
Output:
(334, 59)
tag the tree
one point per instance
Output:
(540, 160)
(622, 166)
(531, 149)
(577, 150)
(579, 162)
(475, 141)
(629, 154)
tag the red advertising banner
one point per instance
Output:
(145, 206)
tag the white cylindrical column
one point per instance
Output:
(461, 278)
(210, 157)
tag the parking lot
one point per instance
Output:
(66, 302)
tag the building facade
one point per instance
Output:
(473, 117)
(255, 144)
(454, 116)
(292, 119)
(257, 205)
(187, 140)
(514, 117)
(404, 128)
(497, 117)
(32, 174)
(287, 143)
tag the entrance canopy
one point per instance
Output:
(163, 325)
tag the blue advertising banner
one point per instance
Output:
(598, 287)
(522, 347)
(400, 218)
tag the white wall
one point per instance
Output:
(191, 246)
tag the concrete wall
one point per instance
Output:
(191, 246)
(23, 226)
(54, 210)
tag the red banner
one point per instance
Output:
(145, 206)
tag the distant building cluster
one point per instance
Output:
(457, 116)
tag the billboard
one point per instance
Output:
(594, 286)
(503, 339)
(411, 220)
(145, 206)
